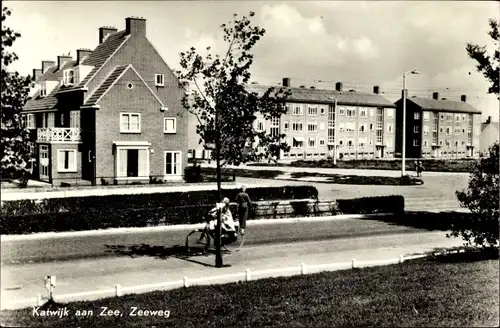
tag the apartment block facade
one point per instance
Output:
(111, 115)
(439, 128)
(327, 123)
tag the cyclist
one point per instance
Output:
(228, 228)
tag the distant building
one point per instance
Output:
(114, 113)
(489, 135)
(438, 128)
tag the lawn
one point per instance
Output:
(358, 179)
(427, 292)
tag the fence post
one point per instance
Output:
(303, 269)
(186, 282)
(353, 263)
(118, 290)
(248, 275)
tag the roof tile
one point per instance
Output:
(106, 85)
(443, 105)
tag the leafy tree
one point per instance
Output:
(490, 67)
(482, 199)
(15, 148)
(217, 95)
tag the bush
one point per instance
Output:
(192, 174)
(372, 205)
(482, 199)
(139, 210)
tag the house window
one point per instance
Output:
(426, 129)
(425, 144)
(285, 126)
(30, 121)
(321, 142)
(350, 126)
(341, 142)
(322, 126)
(426, 116)
(322, 110)
(457, 117)
(170, 125)
(297, 110)
(297, 143)
(448, 131)
(159, 80)
(312, 111)
(43, 89)
(297, 126)
(74, 119)
(416, 129)
(312, 142)
(173, 162)
(415, 142)
(416, 115)
(362, 112)
(68, 77)
(341, 111)
(66, 160)
(341, 127)
(362, 127)
(441, 117)
(130, 122)
(449, 117)
(390, 112)
(389, 128)
(350, 142)
(132, 162)
(351, 112)
(362, 142)
(312, 127)
(260, 126)
(371, 126)
(372, 112)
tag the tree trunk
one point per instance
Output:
(218, 252)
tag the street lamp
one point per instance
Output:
(403, 152)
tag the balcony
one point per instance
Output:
(59, 135)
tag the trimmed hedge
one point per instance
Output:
(138, 210)
(372, 205)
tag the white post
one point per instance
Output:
(303, 269)
(353, 263)
(186, 282)
(248, 275)
(118, 290)
(403, 151)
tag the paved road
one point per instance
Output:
(21, 283)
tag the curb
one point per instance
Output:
(180, 227)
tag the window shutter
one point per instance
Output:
(61, 160)
(143, 162)
(72, 160)
(122, 162)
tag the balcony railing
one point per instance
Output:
(59, 135)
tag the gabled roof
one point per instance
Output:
(352, 98)
(443, 105)
(115, 75)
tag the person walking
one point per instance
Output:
(244, 202)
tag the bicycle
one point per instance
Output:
(202, 239)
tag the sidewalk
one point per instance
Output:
(94, 279)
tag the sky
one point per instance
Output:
(358, 43)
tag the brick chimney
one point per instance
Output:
(81, 54)
(376, 89)
(46, 64)
(338, 86)
(105, 31)
(435, 95)
(61, 60)
(37, 72)
(463, 98)
(488, 120)
(135, 26)
(286, 82)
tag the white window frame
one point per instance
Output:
(341, 111)
(43, 89)
(389, 128)
(160, 83)
(30, 121)
(165, 119)
(363, 112)
(322, 110)
(68, 77)
(322, 141)
(416, 115)
(74, 119)
(285, 126)
(351, 112)
(312, 110)
(297, 110)
(315, 144)
(179, 171)
(61, 152)
(312, 126)
(130, 115)
(127, 146)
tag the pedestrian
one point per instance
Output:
(415, 167)
(420, 168)
(244, 202)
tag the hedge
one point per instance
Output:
(371, 205)
(138, 210)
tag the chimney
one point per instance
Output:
(463, 98)
(105, 31)
(435, 95)
(36, 73)
(488, 120)
(135, 26)
(376, 89)
(61, 60)
(286, 82)
(81, 54)
(46, 64)
(338, 86)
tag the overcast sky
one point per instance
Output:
(361, 44)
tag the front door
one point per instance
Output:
(132, 163)
(44, 162)
(380, 153)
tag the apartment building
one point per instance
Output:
(111, 115)
(490, 134)
(325, 123)
(439, 128)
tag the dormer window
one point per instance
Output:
(68, 77)
(43, 89)
(159, 80)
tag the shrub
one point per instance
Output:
(192, 174)
(482, 199)
(371, 205)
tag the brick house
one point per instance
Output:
(439, 128)
(490, 134)
(364, 123)
(112, 114)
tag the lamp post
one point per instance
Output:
(403, 151)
